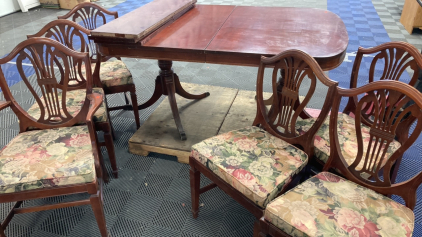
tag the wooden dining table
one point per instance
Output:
(232, 35)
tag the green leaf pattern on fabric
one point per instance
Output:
(328, 205)
(347, 139)
(47, 158)
(112, 73)
(251, 160)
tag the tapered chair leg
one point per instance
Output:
(195, 178)
(2, 234)
(109, 120)
(257, 229)
(97, 208)
(134, 99)
(126, 99)
(108, 138)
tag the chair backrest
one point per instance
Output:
(51, 65)
(90, 14)
(390, 101)
(294, 67)
(388, 61)
(74, 37)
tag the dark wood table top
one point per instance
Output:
(129, 28)
(240, 35)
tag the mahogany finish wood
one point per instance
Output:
(154, 15)
(45, 54)
(67, 32)
(254, 31)
(279, 121)
(397, 58)
(92, 16)
(234, 35)
(390, 99)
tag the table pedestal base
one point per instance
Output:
(168, 83)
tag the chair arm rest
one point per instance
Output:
(4, 104)
(96, 100)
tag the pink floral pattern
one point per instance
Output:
(328, 205)
(74, 101)
(253, 161)
(346, 136)
(47, 158)
(113, 73)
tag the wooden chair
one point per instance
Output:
(114, 76)
(75, 37)
(329, 205)
(390, 61)
(255, 164)
(58, 158)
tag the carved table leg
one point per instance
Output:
(167, 77)
(180, 91)
(158, 92)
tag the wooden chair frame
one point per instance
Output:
(94, 189)
(397, 56)
(294, 65)
(64, 31)
(383, 128)
(89, 13)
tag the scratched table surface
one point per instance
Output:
(240, 35)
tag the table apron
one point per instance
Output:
(202, 56)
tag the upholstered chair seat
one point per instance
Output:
(113, 73)
(252, 161)
(347, 137)
(328, 205)
(74, 102)
(47, 158)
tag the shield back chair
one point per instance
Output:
(389, 61)
(58, 158)
(114, 76)
(255, 164)
(75, 37)
(329, 205)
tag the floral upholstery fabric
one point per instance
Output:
(251, 160)
(347, 138)
(47, 158)
(327, 205)
(113, 73)
(74, 102)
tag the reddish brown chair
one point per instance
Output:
(69, 33)
(114, 76)
(57, 158)
(397, 58)
(255, 164)
(329, 205)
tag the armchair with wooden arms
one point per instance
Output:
(388, 61)
(114, 76)
(75, 37)
(357, 205)
(56, 158)
(255, 164)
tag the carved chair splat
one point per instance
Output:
(92, 16)
(75, 37)
(388, 61)
(58, 158)
(361, 192)
(255, 164)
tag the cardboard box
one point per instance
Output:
(50, 4)
(69, 4)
